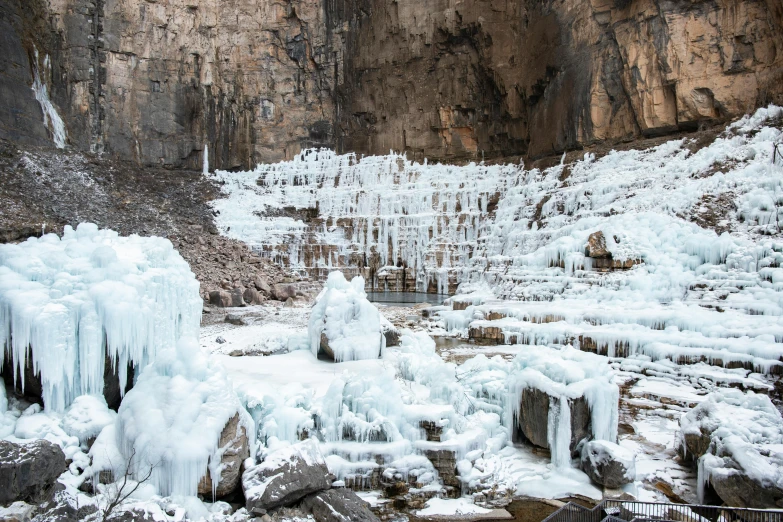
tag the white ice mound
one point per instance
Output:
(87, 416)
(173, 417)
(344, 323)
(746, 439)
(75, 300)
(566, 374)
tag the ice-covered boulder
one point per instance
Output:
(285, 476)
(743, 461)
(173, 419)
(571, 390)
(71, 302)
(338, 505)
(29, 471)
(608, 464)
(344, 324)
(233, 452)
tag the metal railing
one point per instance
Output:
(633, 511)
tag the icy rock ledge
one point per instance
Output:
(344, 324)
(738, 441)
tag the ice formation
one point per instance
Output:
(172, 419)
(51, 118)
(71, 304)
(746, 432)
(423, 217)
(693, 232)
(564, 375)
(344, 322)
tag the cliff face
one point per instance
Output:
(452, 79)
(153, 80)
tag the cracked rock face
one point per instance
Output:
(259, 80)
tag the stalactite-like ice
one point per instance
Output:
(67, 304)
(421, 216)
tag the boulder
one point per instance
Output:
(17, 512)
(596, 246)
(252, 296)
(285, 477)
(220, 298)
(262, 285)
(608, 464)
(741, 487)
(237, 296)
(735, 437)
(694, 444)
(289, 303)
(65, 507)
(29, 471)
(283, 291)
(533, 419)
(390, 333)
(235, 449)
(234, 319)
(338, 505)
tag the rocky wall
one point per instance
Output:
(153, 81)
(453, 80)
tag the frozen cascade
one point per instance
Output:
(70, 302)
(51, 118)
(322, 210)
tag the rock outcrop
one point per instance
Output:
(29, 471)
(258, 80)
(608, 464)
(285, 477)
(234, 445)
(533, 419)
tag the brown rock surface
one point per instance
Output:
(534, 417)
(234, 441)
(258, 80)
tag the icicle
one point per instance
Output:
(51, 118)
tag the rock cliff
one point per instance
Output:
(153, 81)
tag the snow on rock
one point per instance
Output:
(286, 475)
(29, 471)
(454, 507)
(743, 460)
(565, 376)
(338, 505)
(172, 420)
(608, 464)
(344, 323)
(91, 294)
